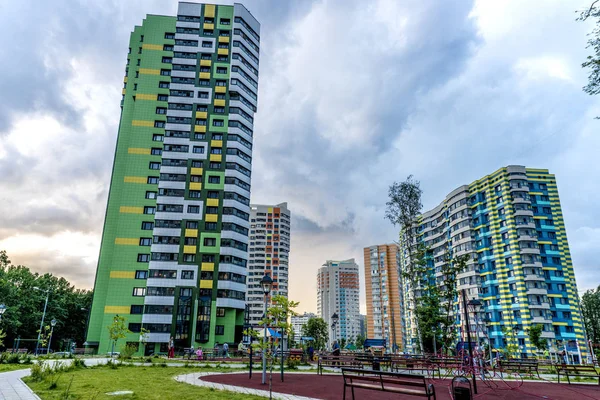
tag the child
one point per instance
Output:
(199, 354)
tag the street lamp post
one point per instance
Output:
(52, 324)
(112, 353)
(334, 320)
(488, 324)
(473, 303)
(265, 283)
(2, 310)
(87, 324)
(37, 344)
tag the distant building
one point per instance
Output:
(338, 292)
(384, 302)
(363, 325)
(298, 322)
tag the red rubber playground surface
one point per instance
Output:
(330, 387)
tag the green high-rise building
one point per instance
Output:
(174, 247)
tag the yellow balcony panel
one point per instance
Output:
(216, 143)
(223, 52)
(195, 186)
(149, 71)
(143, 96)
(209, 10)
(223, 39)
(135, 179)
(204, 75)
(131, 210)
(206, 266)
(191, 233)
(117, 309)
(220, 89)
(125, 80)
(149, 46)
(206, 284)
(196, 171)
(122, 274)
(138, 122)
(201, 114)
(211, 217)
(189, 249)
(138, 150)
(220, 102)
(208, 26)
(200, 128)
(127, 241)
(205, 63)
(123, 91)
(212, 202)
(216, 157)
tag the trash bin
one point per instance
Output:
(376, 365)
(461, 388)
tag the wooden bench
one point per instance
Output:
(18, 351)
(414, 364)
(336, 361)
(448, 364)
(189, 352)
(393, 382)
(529, 366)
(369, 361)
(586, 371)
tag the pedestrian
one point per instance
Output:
(216, 350)
(225, 350)
(171, 348)
(241, 349)
(199, 354)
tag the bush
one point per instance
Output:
(26, 359)
(127, 351)
(111, 364)
(3, 358)
(78, 363)
(292, 364)
(13, 359)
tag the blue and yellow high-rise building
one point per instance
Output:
(511, 224)
(175, 241)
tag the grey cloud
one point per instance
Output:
(79, 271)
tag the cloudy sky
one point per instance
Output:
(353, 95)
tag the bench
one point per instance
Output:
(393, 382)
(189, 352)
(449, 364)
(18, 351)
(529, 366)
(414, 364)
(587, 371)
(370, 361)
(336, 361)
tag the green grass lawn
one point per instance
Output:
(12, 367)
(145, 382)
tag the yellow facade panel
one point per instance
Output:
(137, 122)
(135, 179)
(191, 233)
(206, 266)
(117, 309)
(122, 274)
(220, 89)
(216, 143)
(149, 46)
(200, 128)
(142, 96)
(208, 26)
(223, 39)
(206, 284)
(123, 91)
(149, 71)
(201, 114)
(131, 210)
(220, 102)
(216, 157)
(125, 80)
(195, 186)
(205, 63)
(211, 218)
(138, 150)
(127, 241)
(196, 171)
(204, 75)
(212, 202)
(209, 10)
(189, 249)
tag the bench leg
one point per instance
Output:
(344, 397)
(352, 392)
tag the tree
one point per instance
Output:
(535, 337)
(317, 329)
(593, 61)
(144, 335)
(590, 311)
(360, 341)
(117, 330)
(2, 336)
(448, 294)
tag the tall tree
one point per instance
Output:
(593, 60)
(535, 337)
(590, 310)
(317, 329)
(402, 209)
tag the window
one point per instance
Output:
(158, 138)
(206, 43)
(139, 291)
(162, 97)
(159, 124)
(149, 210)
(567, 314)
(147, 226)
(187, 274)
(210, 242)
(143, 258)
(145, 241)
(168, 47)
(135, 327)
(161, 110)
(203, 95)
(141, 274)
(221, 70)
(198, 149)
(156, 151)
(220, 312)
(219, 329)
(189, 258)
(150, 195)
(163, 85)
(136, 309)
(154, 165)
(194, 194)
(214, 179)
(167, 60)
(169, 35)
(225, 21)
(193, 209)
(191, 225)
(218, 122)
(210, 226)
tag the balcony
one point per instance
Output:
(541, 320)
(529, 250)
(539, 305)
(523, 213)
(536, 291)
(535, 277)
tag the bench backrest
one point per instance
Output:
(386, 379)
(578, 368)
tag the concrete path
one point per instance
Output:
(193, 379)
(13, 388)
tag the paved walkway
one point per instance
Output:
(194, 379)
(13, 388)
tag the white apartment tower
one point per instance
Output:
(268, 254)
(338, 293)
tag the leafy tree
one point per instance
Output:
(117, 330)
(2, 336)
(359, 341)
(590, 311)
(535, 337)
(317, 329)
(512, 347)
(402, 209)
(593, 61)
(448, 293)
(144, 335)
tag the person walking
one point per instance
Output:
(216, 350)
(225, 350)
(199, 354)
(171, 348)
(241, 349)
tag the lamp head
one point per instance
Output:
(53, 322)
(266, 283)
(335, 318)
(2, 309)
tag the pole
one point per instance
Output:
(37, 344)
(264, 353)
(250, 377)
(50, 340)
(282, 353)
(434, 344)
(464, 300)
